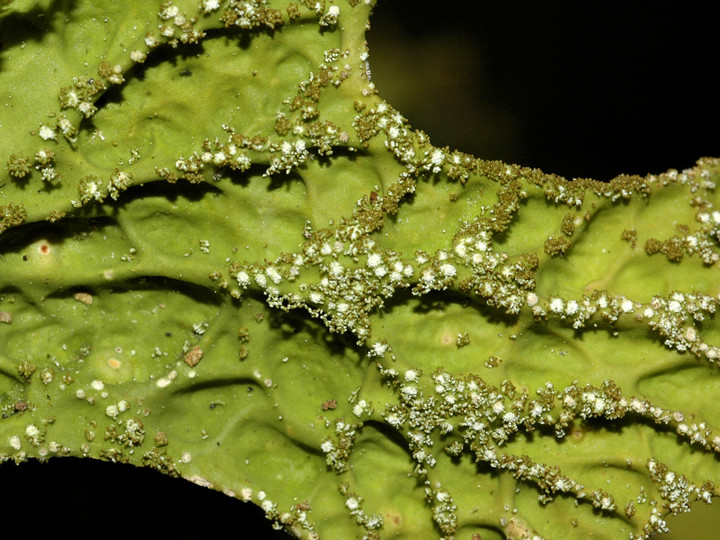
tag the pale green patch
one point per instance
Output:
(230, 260)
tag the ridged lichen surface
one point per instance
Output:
(224, 256)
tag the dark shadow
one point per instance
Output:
(283, 180)
(32, 25)
(298, 320)
(389, 432)
(219, 383)
(197, 293)
(17, 238)
(171, 191)
(338, 151)
(439, 300)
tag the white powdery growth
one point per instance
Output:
(47, 133)
(374, 260)
(209, 6)
(327, 446)
(274, 275)
(411, 375)
(243, 279)
(379, 348)
(557, 305)
(448, 270)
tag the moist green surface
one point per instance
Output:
(224, 256)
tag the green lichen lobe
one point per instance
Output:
(228, 259)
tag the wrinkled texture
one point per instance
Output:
(225, 257)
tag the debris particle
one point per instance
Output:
(114, 363)
(15, 442)
(161, 438)
(193, 357)
(83, 297)
(329, 404)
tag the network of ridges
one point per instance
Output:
(224, 257)
(558, 362)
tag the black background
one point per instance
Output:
(581, 89)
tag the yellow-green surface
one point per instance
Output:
(225, 257)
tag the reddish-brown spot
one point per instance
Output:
(393, 517)
(329, 404)
(44, 248)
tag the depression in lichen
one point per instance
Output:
(227, 258)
